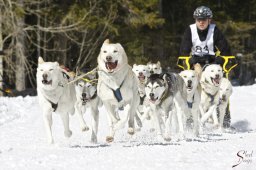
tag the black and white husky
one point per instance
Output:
(87, 98)
(166, 95)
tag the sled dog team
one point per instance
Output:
(140, 93)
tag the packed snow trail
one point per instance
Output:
(23, 143)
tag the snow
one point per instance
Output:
(23, 143)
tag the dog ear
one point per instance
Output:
(56, 63)
(158, 63)
(106, 41)
(40, 60)
(134, 65)
(206, 65)
(149, 62)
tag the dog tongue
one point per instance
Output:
(217, 80)
(111, 65)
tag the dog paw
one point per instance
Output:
(94, 140)
(151, 130)
(167, 138)
(131, 131)
(121, 105)
(68, 133)
(50, 141)
(85, 128)
(109, 139)
(181, 136)
(160, 138)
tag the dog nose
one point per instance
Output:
(45, 76)
(151, 94)
(108, 58)
(151, 72)
(189, 82)
(84, 95)
(217, 76)
(224, 97)
(140, 73)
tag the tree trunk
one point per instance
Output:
(20, 57)
(1, 57)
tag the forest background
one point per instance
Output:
(72, 32)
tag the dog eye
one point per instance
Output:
(80, 85)
(156, 87)
(104, 51)
(41, 70)
(115, 51)
(185, 76)
(193, 76)
(51, 70)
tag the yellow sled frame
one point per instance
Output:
(183, 62)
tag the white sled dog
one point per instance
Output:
(54, 95)
(191, 79)
(225, 93)
(117, 87)
(87, 98)
(154, 68)
(142, 73)
(166, 95)
(210, 83)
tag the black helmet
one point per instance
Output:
(202, 12)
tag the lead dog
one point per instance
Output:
(87, 98)
(54, 95)
(117, 87)
(166, 95)
(191, 79)
(210, 83)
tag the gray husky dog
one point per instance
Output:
(87, 98)
(166, 94)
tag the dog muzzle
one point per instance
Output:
(111, 65)
(46, 82)
(216, 80)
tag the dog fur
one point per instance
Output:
(154, 68)
(115, 73)
(210, 83)
(54, 95)
(225, 93)
(166, 96)
(191, 79)
(87, 98)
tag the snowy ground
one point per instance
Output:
(23, 142)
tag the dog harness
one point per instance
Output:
(142, 99)
(190, 104)
(206, 46)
